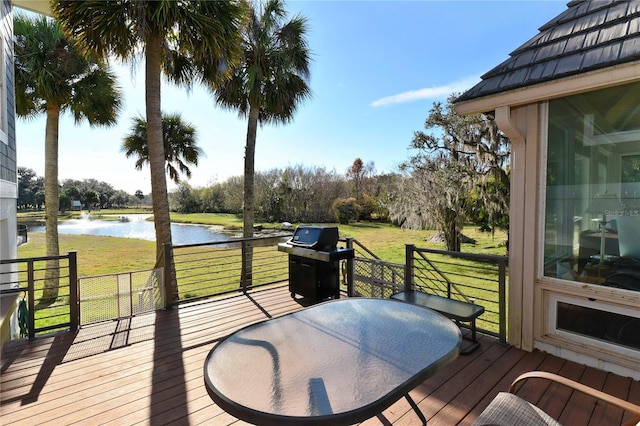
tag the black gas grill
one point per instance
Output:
(314, 262)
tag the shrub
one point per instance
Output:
(345, 210)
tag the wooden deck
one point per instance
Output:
(148, 370)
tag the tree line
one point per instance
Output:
(91, 193)
(296, 194)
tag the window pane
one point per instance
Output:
(598, 324)
(592, 217)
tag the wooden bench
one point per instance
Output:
(455, 309)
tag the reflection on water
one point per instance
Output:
(136, 226)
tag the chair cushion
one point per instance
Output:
(507, 409)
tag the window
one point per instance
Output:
(585, 321)
(592, 202)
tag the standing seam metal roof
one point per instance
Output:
(589, 35)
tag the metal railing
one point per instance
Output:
(216, 268)
(48, 286)
(372, 276)
(114, 296)
(474, 278)
(211, 269)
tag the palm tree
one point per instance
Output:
(186, 39)
(180, 145)
(140, 196)
(269, 84)
(52, 77)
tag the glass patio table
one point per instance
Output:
(335, 363)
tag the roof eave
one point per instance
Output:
(38, 6)
(589, 81)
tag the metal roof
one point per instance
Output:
(589, 35)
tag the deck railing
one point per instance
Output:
(372, 276)
(469, 277)
(216, 268)
(120, 295)
(475, 278)
(27, 279)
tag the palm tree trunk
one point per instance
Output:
(162, 220)
(248, 209)
(249, 172)
(51, 201)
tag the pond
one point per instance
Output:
(137, 226)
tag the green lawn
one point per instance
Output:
(106, 255)
(97, 255)
(388, 242)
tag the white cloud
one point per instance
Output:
(427, 93)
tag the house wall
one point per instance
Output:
(521, 126)
(532, 296)
(8, 165)
(8, 168)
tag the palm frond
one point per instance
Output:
(275, 69)
(50, 70)
(180, 145)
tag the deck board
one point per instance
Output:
(148, 370)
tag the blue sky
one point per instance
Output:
(378, 67)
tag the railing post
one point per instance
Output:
(118, 295)
(243, 265)
(166, 276)
(32, 295)
(502, 302)
(351, 264)
(74, 306)
(130, 294)
(408, 270)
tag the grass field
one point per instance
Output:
(97, 255)
(105, 255)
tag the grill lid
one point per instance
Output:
(324, 238)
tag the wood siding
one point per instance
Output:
(8, 166)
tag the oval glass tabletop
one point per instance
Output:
(338, 362)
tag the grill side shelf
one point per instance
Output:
(323, 256)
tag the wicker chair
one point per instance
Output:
(507, 409)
